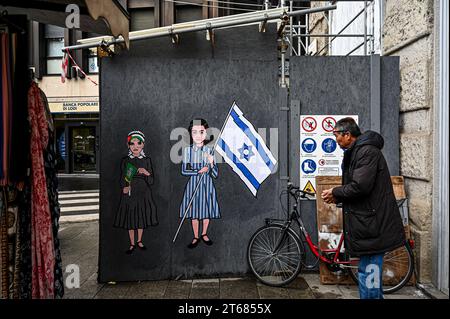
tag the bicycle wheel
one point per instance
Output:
(398, 267)
(275, 268)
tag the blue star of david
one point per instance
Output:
(246, 152)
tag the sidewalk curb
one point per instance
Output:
(78, 218)
(430, 291)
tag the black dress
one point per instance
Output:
(137, 210)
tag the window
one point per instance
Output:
(186, 13)
(92, 61)
(143, 18)
(54, 42)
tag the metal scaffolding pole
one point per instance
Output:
(346, 26)
(331, 35)
(365, 27)
(373, 28)
(291, 30)
(201, 25)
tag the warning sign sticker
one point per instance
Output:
(329, 171)
(309, 166)
(329, 145)
(309, 188)
(328, 162)
(309, 124)
(320, 155)
(328, 123)
(309, 145)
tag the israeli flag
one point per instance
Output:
(245, 151)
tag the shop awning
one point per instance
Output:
(96, 16)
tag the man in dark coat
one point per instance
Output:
(372, 222)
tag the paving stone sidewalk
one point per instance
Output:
(79, 245)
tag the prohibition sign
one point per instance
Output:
(309, 124)
(328, 124)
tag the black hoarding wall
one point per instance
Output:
(158, 87)
(344, 86)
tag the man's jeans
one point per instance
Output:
(370, 276)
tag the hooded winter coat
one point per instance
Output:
(372, 222)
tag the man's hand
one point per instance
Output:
(327, 196)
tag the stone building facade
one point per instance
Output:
(318, 24)
(414, 30)
(408, 33)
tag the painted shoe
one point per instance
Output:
(207, 242)
(194, 244)
(130, 250)
(141, 247)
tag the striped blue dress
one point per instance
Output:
(204, 205)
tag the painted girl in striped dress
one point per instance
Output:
(198, 159)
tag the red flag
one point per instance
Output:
(64, 66)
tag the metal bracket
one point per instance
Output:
(284, 178)
(284, 22)
(210, 34)
(175, 37)
(104, 50)
(284, 108)
(262, 25)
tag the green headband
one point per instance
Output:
(139, 137)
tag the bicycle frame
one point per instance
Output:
(290, 245)
(315, 249)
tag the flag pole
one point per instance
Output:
(201, 178)
(223, 126)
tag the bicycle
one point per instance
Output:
(276, 252)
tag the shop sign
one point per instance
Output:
(74, 107)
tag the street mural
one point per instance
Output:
(199, 203)
(137, 210)
(241, 147)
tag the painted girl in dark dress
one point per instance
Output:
(137, 210)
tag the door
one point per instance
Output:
(83, 154)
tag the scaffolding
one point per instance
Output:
(302, 32)
(297, 34)
(293, 25)
(262, 16)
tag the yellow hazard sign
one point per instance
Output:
(309, 188)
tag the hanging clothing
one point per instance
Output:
(42, 245)
(24, 238)
(10, 223)
(14, 84)
(6, 100)
(204, 204)
(30, 257)
(15, 243)
(2, 173)
(3, 248)
(20, 131)
(52, 188)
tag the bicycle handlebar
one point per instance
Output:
(294, 190)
